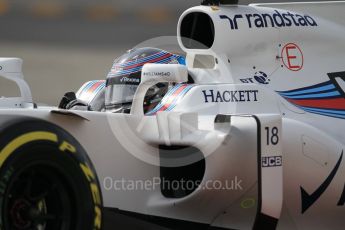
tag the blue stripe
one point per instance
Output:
(122, 73)
(315, 90)
(165, 61)
(328, 115)
(319, 95)
(309, 87)
(87, 87)
(128, 71)
(174, 103)
(338, 112)
(165, 99)
(136, 61)
(149, 58)
(137, 69)
(181, 60)
(146, 59)
(99, 88)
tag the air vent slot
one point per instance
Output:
(181, 181)
(197, 31)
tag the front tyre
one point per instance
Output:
(47, 182)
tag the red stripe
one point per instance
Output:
(172, 98)
(94, 87)
(337, 103)
(151, 61)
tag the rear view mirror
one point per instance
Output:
(11, 69)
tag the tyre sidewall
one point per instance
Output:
(30, 141)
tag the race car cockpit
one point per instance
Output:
(115, 94)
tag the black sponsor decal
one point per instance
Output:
(259, 77)
(212, 96)
(274, 161)
(277, 19)
(309, 199)
(341, 201)
(157, 74)
(337, 76)
(129, 80)
(132, 79)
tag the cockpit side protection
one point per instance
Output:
(171, 99)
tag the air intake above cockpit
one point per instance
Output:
(219, 2)
(197, 31)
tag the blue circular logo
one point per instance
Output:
(262, 78)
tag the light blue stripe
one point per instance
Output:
(122, 73)
(147, 61)
(338, 112)
(137, 69)
(315, 90)
(99, 88)
(161, 104)
(319, 95)
(128, 71)
(87, 87)
(140, 60)
(149, 58)
(173, 103)
(182, 94)
(165, 98)
(328, 115)
(164, 61)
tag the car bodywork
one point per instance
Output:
(267, 108)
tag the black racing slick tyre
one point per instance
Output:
(47, 181)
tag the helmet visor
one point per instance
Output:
(119, 94)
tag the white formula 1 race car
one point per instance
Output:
(249, 134)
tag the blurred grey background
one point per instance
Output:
(65, 43)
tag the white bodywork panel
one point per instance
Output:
(278, 146)
(334, 12)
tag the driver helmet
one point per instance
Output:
(125, 76)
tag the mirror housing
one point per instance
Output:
(151, 75)
(11, 69)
